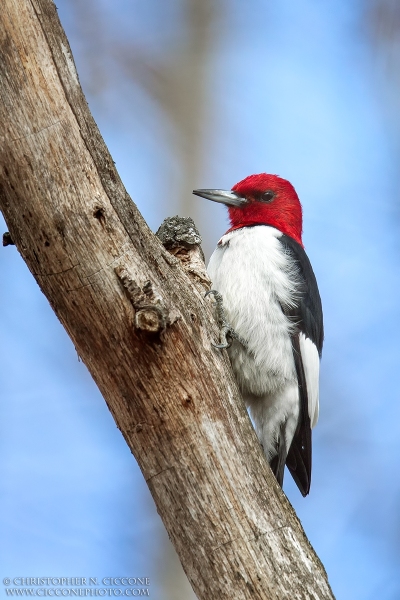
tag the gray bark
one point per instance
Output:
(141, 325)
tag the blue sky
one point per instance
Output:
(294, 93)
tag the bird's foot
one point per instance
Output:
(227, 334)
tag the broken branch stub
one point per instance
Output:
(180, 236)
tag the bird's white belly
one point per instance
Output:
(256, 278)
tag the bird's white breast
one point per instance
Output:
(256, 278)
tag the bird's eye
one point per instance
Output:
(267, 196)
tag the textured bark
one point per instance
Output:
(141, 326)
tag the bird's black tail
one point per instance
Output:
(299, 456)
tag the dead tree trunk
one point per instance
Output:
(141, 326)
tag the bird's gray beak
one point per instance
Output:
(223, 196)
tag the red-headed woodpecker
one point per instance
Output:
(271, 300)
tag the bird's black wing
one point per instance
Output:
(307, 316)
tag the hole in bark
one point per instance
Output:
(98, 214)
(47, 244)
(193, 317)
(147, 288)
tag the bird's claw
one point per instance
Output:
(227, 333)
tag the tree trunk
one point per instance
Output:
(141, 326)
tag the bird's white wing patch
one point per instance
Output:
(310, 358)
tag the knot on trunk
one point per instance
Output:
(150, 314)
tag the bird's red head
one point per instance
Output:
(270, 200)
(261, 200)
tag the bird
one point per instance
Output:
(271, 301)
